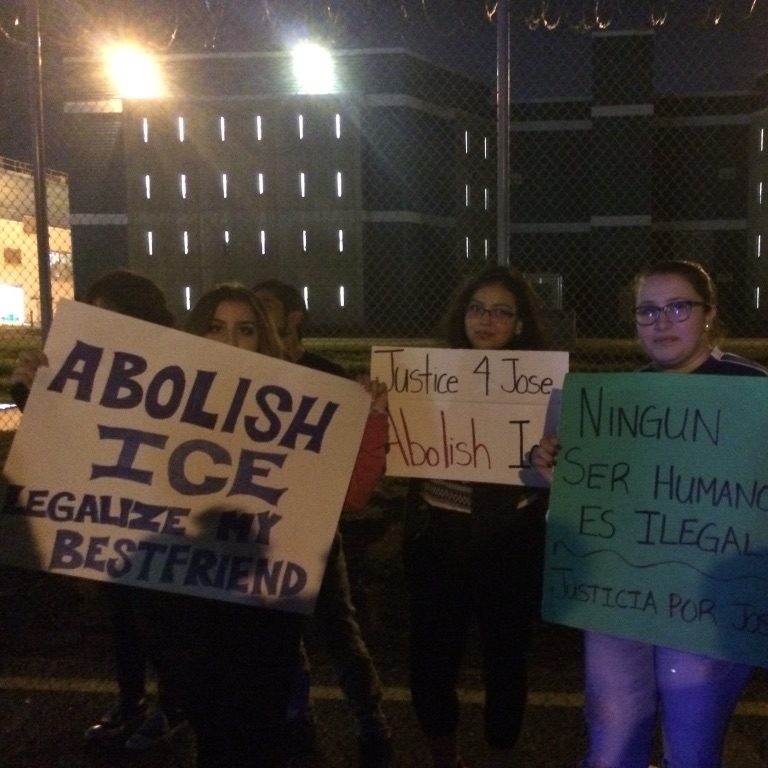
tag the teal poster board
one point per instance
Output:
(658, 524)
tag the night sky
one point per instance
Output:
(693, 53)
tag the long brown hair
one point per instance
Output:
(202, 314)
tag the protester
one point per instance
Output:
(288, 312)
(475, 551)
(130, 721)
(629, 684)
(234, 665)
(335, 615)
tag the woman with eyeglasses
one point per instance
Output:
(474, 551)
(630, 683)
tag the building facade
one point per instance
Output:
(603, 185)
(757, 232)
(360, 197)
(377, 197)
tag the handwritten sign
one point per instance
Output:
(468, 415)
(155, 458)
(658, 526)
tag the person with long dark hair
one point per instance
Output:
(474, 551)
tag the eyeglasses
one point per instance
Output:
(478, 310)
(675, 311)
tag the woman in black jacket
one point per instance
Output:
(475, 551)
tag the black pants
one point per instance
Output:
(131, 648)
(232, 667)
(497, 584)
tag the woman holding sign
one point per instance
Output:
(475, 551)
(234, 664)
(630, 683)
(231, 664)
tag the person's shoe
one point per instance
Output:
(376, 752)
(155, 729)
(117, 722)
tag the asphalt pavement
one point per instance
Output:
(56, 677)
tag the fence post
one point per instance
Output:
(502, 128)
(39, 163)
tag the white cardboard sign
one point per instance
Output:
(155, 458)
(469, 415)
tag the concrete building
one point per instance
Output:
(373, 198)
(757, 232)
(377, 197)
(601, 185)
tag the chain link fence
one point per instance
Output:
(20, 292)
(636, 132)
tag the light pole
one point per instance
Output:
(35, 59)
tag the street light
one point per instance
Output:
(313, 68)
(134, 73)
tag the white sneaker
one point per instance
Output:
(152, 731)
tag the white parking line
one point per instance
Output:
(327, 693)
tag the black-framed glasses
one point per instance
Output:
(498, 312)
(675, 311)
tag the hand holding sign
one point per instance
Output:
(140, 442)
(657, 524)
(468, 414)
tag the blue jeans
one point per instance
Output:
(629, 683)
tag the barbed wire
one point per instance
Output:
(590, 15)
(264, 24)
